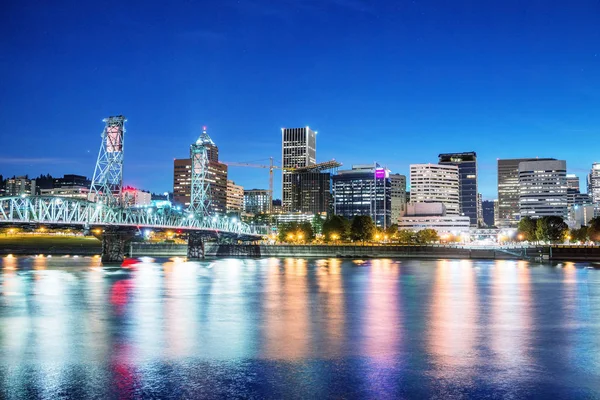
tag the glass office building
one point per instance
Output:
(363, 190)
(467, 181)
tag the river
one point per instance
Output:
(298, 328)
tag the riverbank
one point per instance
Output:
(50, 244)
(571, 253)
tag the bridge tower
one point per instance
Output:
(107, 183)
(200, 188)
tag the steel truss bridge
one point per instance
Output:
(106, 206)
(60, 211)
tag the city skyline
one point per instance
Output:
(380, 84)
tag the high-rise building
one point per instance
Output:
(543, 188)
(363, 190)
(435, 183)
(298, 150)
(182, 181)
(20, 185)
(467, 180)
(508, 190)
(593, 183)
(235, 197)
(487, 208)
(311, 192)
(398, 196)
(256, 201)
(216, 178)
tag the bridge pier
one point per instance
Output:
(195, 247)
(113, 245)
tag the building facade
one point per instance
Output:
(20, 186)
(487, 208)
(398, 197)
(420, 216)
(72, 180)
(363, 190)
(73, 192)
(298, 149)
(435, 183)
(467, 182)
(256, 201)
(508, 190)
(235, 197)
(593, 183)
(311, 192)
(133, 197)
(543, 188)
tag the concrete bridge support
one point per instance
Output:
(195, 248)
(113, 245)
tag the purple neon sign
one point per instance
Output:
(379, 173)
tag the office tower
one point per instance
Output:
(256, 201)
(467, 180)
(543, 188)
(298, 150)
(594, 183)
(435, 183)
(235, 197)
(398, 196)
(487, 208)
(508, 190)
(363, 190)
(311, 192)
(216, 178)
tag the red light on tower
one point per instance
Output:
(204, 128)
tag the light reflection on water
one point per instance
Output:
(298, 328)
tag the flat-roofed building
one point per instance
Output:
(435, 183)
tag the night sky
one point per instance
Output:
(390, 81)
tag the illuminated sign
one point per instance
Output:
(380, 173)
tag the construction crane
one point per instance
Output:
(271, 167)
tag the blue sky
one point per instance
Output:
(395, 82)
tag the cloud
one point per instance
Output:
(34, 160)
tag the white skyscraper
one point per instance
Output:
(543, 188)
(434, 183)
(298, 149)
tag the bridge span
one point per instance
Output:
(120, 224)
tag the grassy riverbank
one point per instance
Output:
(49, 244)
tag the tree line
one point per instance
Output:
(361, 229)
(553, 229)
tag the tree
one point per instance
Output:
(317, 224)
(551, 229)
(362, 228)
(392, 231)
(427, 236)
(594, 229)
(405, 236)
(336, 228)
(527, 229)
(579, 235)
(295, 232)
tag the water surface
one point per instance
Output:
(298, 328)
